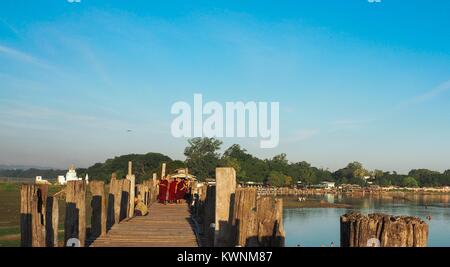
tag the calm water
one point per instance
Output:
(314, 227)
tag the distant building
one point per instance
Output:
(71, 175)
(324, 185)
(39, 180)
(300, 184)
(183, 173)
(251, 184)
(328, 185)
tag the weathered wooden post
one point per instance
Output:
(148, 191)
(382, 230)
(125, 188)
(225, 190)
(209, 207)
(132, 180)
(244, 217)
(200, 204)
(113, 202)
(98, 204)
(51, 221)
(32, 228)
(270, 222)
(75, 221)
(163, 170)
(154, 188)
(42, 200)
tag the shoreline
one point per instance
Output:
(292, 204)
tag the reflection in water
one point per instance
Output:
(315, 227)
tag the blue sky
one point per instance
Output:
(355, 80)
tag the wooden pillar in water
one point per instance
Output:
(75, 221)
(32, 228)
(270, 222)
(98, 205)
(244, 218)
(382, 230)
(225, 189)
(132, 180)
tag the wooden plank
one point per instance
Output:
(165, 226)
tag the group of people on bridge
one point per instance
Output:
(173, 190)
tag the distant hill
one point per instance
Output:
(22, 167)
(32, 173)
(144, 165)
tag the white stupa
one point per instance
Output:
(71, 175)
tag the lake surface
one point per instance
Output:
(316, 227)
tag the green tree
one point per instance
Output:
(279, 179)
(202, 157)
(279, 163)
(410, 182)
(276, 179)
(234, 163)
(144, 165)
(250, 168)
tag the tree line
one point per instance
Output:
(203, 156)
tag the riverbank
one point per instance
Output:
(289, 203)
(286, 191)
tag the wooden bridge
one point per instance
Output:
(225, 215)
(165, 226)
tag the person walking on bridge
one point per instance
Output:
(181, 190)
(173, 190)
(163, 186)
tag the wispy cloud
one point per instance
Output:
(10, 27)
(16, 114)
(427, 96)
(302, 135)
(348, 123)
(22, 57)
(89, 56)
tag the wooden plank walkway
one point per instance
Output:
(164, 226)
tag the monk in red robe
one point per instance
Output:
(181, 190)
(173, 191)
(163, 186)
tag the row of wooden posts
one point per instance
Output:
(229, 216)
(39, 212)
